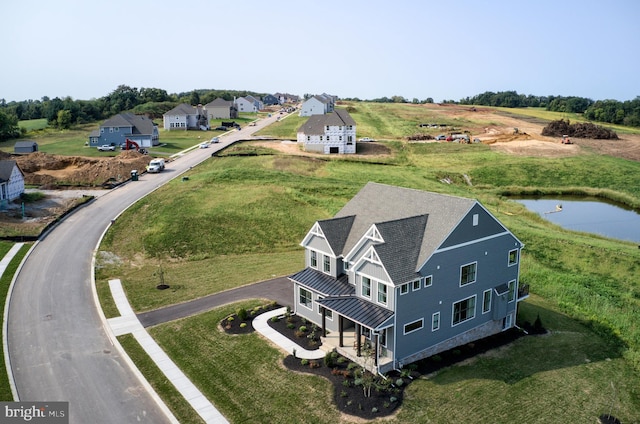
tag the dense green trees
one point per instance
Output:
(8, 126)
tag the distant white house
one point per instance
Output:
(11, 180)
(186, 117)
(256, 102)
(245, 105)
(318, 105)
(221, 109)
(331, 133)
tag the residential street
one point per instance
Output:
(57, 344)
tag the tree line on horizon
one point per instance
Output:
(154, 102)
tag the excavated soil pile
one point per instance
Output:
(580, 130)
(47, 171)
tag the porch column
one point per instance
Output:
(324, 321)
(376, 338)
(341, 331)
(358, 344)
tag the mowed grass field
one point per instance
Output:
(241, 219)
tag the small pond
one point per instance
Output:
(588, 215)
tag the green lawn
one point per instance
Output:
(240, 219)
(5, 282)
(255, 210)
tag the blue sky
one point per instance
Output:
(350, 48)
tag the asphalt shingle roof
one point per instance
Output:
(6, 168)
(316, 124)
(139, 124)
(379, 203)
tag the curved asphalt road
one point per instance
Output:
(58, 347)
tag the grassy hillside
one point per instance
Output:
(241, 219)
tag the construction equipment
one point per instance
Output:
(132, 145)
(566, 140)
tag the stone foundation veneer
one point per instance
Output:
(488, 329)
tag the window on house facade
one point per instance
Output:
(415, 285)
(327, 264)
(486, 301)
(404, 289)
(110, 129)
(507, 322)
(468, 274)
(366, 287)
(512, 290)
(435, 321)
(413, 326)
(328, 128)
(320, 138)
(513, 257)
(383, 338)
(464, 310)
(101, 130)
(306, 298)
(313, 259)
(308, 138)
(475, 219)
(327, 312)
(117, 129)
(428, 281)
(382, 293)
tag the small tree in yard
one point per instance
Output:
(365, 378)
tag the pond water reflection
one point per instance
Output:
(591, 216)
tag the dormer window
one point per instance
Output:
(313, 259)
(327, 264)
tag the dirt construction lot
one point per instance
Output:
(49, 171)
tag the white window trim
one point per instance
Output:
(432, 321)
(404, 287)
(330, 318)
(475, 305)
(299, 295)
(404, 327)
(378, 284)
(515, 293)
(428, 278)
(311, 258)
(517, 258)
(362, 287)
(413, 285)
(490, 299)
(475, 276)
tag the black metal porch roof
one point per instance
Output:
(358, 310)
(324, 284)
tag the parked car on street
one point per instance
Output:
(366, 139)
(221, 128)
(204, 145)
(106, 148)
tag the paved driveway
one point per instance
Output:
(57, 345)
(279, 290)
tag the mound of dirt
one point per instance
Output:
(46, 170)
(580, 129)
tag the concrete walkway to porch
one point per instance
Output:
(261, 325)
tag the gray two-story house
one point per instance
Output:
(117, 129)
(399, 275)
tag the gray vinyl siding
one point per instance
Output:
(313, 314)
(491, 256)
(318, 243)
(466, 231)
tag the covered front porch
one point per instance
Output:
(362, 332)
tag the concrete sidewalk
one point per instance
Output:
(4, 263)
(260, 323)
(128, 323)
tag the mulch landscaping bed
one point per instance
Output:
(240, 322)
(385, 395)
